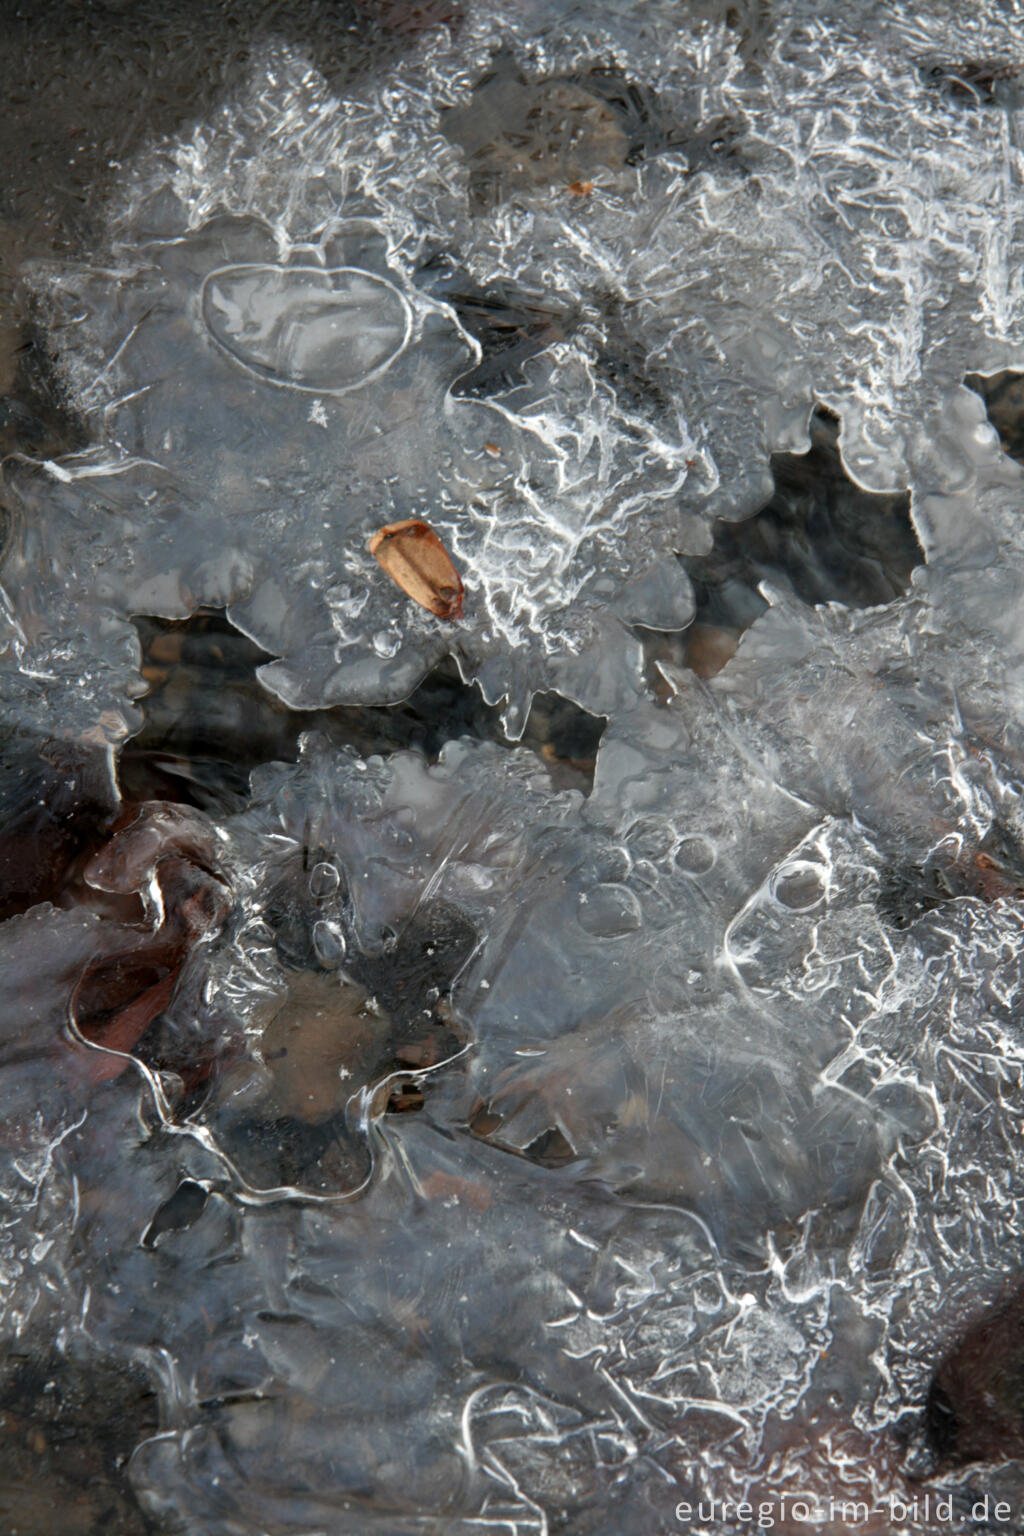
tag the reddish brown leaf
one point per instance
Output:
(414, 557)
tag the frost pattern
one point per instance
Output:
(850, 249)
(717, 1072)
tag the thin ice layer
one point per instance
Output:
(762, 1078)
(726, 1020)
(266, 288)
(718, 1076)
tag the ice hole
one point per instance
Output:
(821, 536)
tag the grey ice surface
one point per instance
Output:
(723, 1145)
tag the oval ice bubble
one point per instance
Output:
(306, 327)
(324, 880)
(608, 911)
(799, 886)
(695, 855)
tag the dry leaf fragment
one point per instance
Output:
(416, 560)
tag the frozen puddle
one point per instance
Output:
(559, 1068)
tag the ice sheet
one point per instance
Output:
(454, 1151)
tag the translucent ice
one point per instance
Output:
(450, 1150)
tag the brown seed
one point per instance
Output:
(416, 560)
(580, 188)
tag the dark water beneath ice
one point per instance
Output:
(560, 1068)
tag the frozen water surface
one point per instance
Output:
(433, 1133)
